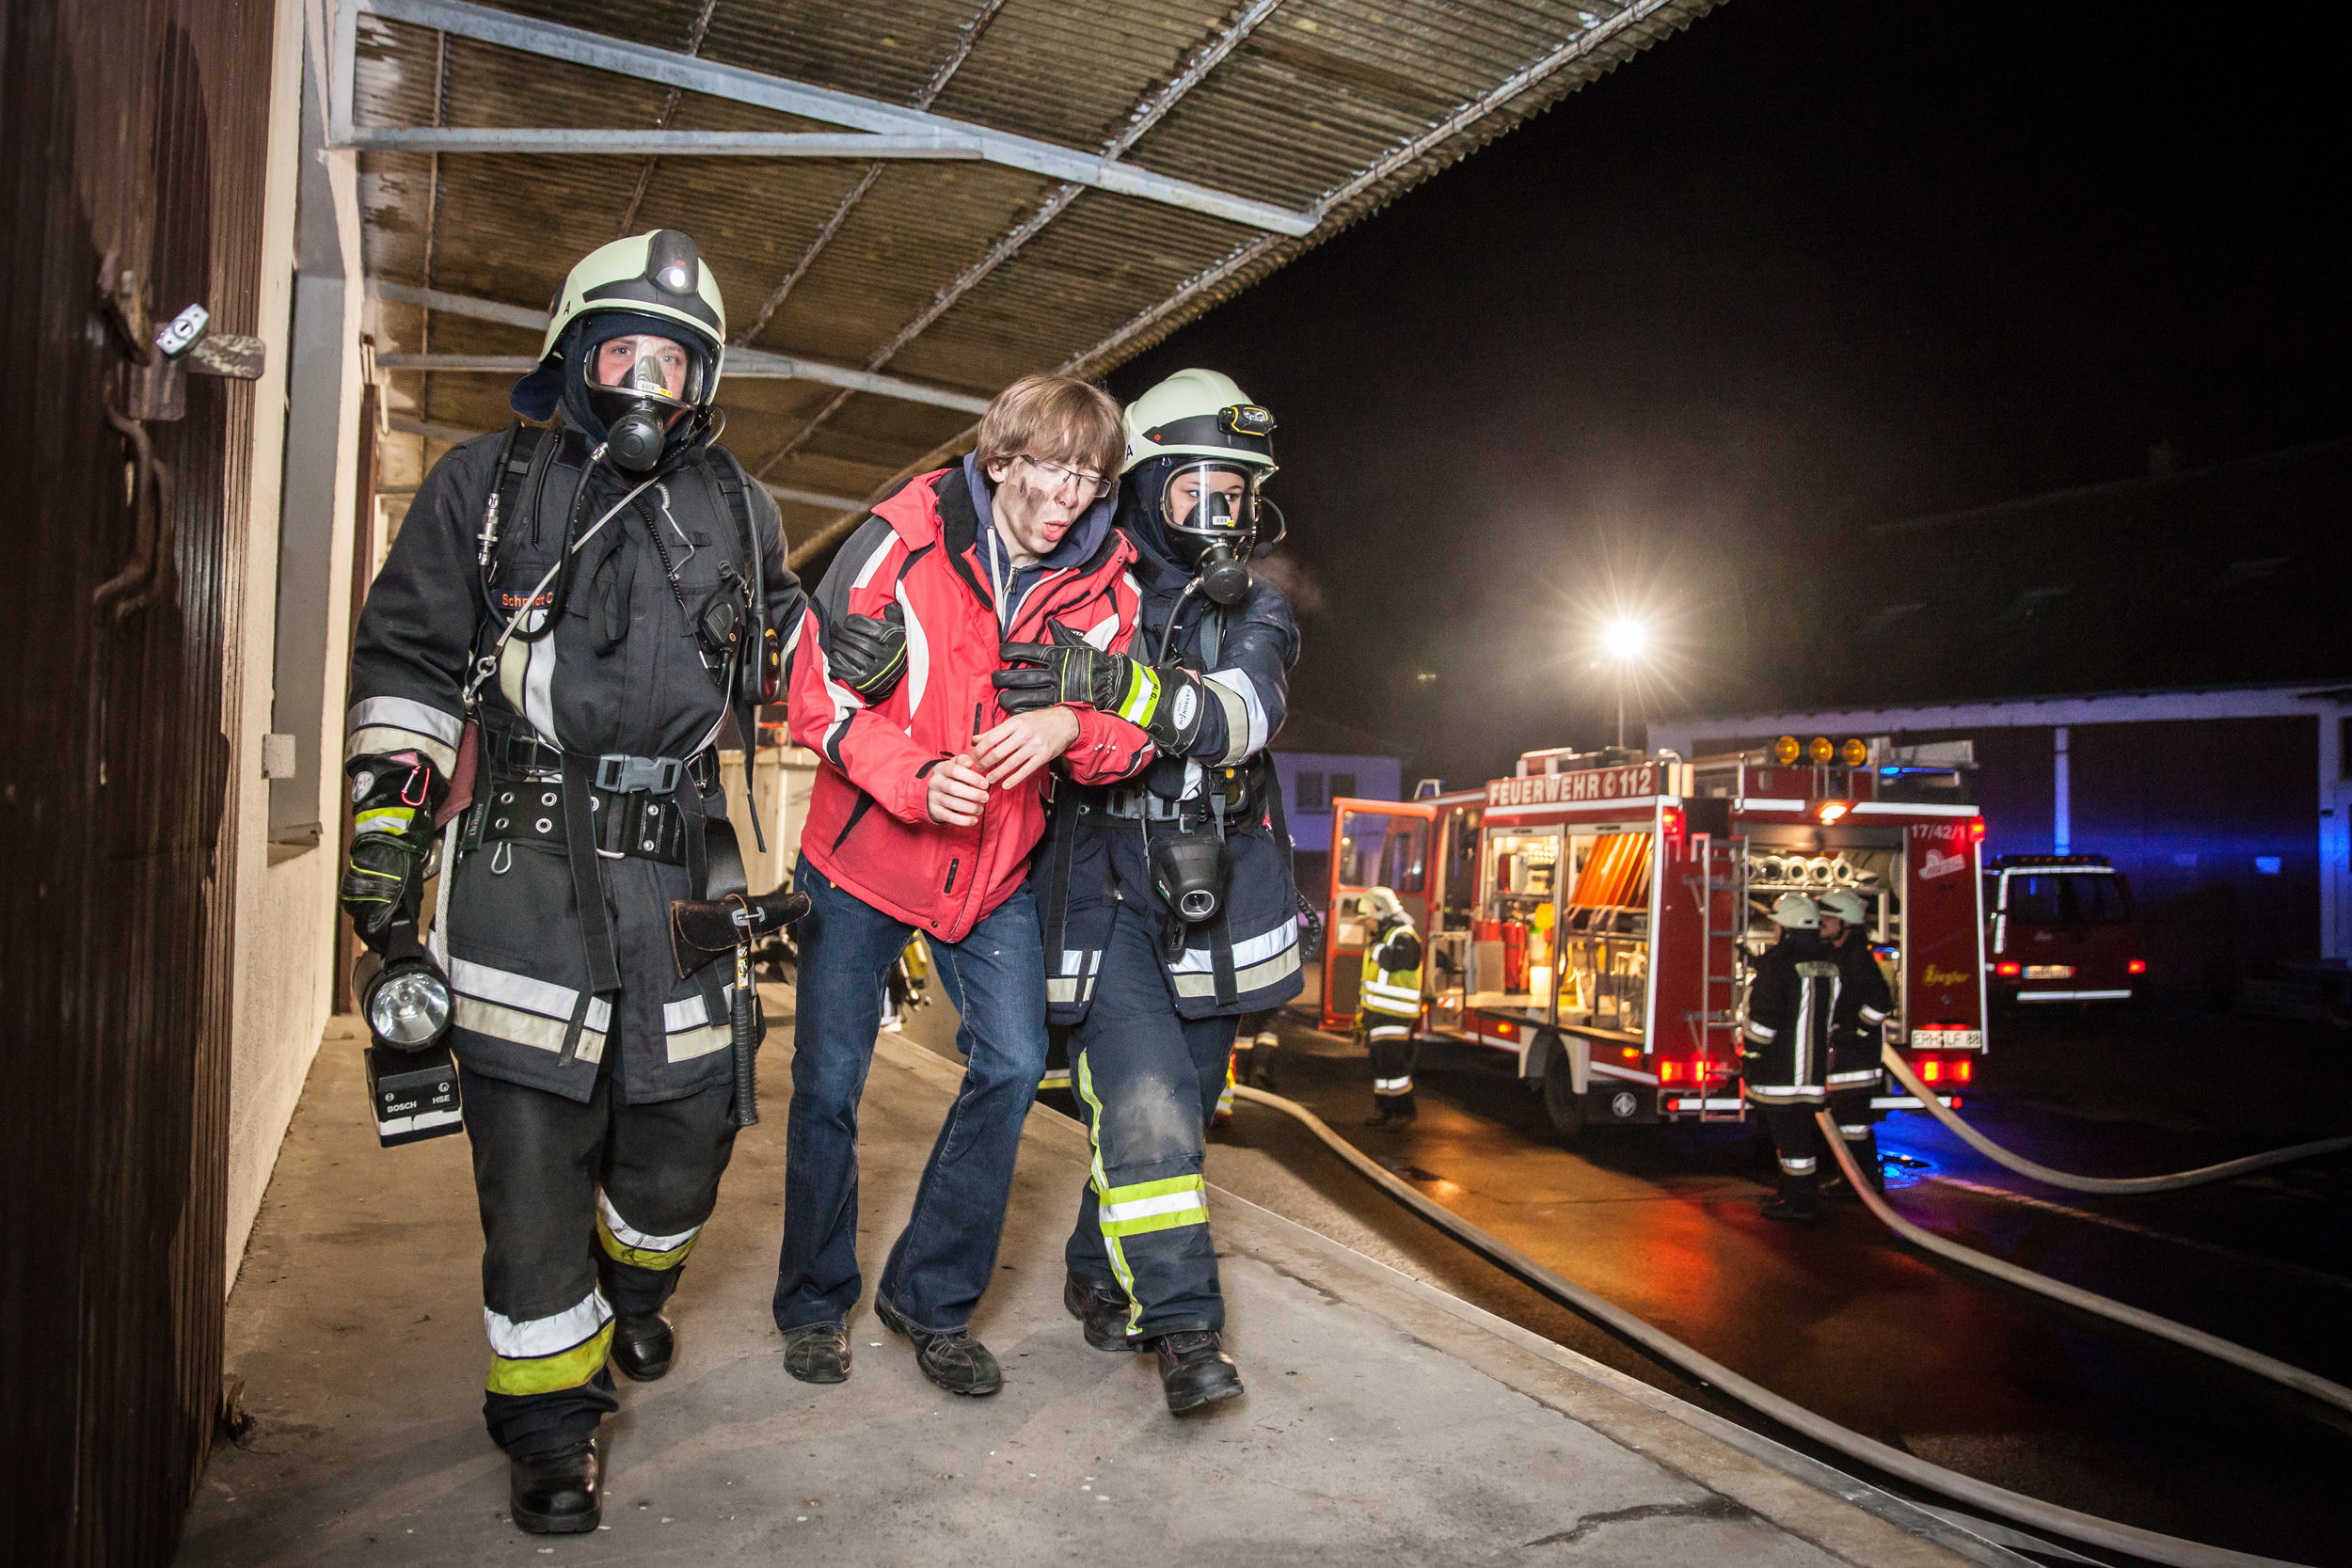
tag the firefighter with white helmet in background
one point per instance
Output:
(1859, 1028)
(1791, 1013)
(1387, 1004)
(586, 608)
(1167, 903)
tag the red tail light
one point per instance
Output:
(2137, 966)
(1962, 1071)
(1932, 1072)
(1976, 830)
(2008, 972)
(1669, 1072)
(1670, 824)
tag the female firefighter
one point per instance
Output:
(1167, 903)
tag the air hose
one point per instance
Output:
(2023, 1167)
(2030, 1512)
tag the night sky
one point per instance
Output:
(1812, 266)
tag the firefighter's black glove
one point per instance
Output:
(393, 800)
(868, 655)
(1164, 701)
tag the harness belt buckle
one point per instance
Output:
(620, 774)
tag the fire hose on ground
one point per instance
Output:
(2113, 1185)
(2030, 1512)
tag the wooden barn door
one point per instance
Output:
(134, 130)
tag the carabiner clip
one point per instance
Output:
(421, 778)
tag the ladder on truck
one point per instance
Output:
(1719, 878)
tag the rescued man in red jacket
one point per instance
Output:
(926, 804)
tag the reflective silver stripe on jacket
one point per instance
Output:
(380, 725)
(545, 997)
(1075, 982)
(521, 1029)
(1246, 723)
(1259, 961)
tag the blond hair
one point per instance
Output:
(1056, 419)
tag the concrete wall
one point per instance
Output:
(285, 907)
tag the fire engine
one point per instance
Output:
(1597, 914)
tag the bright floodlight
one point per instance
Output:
(1625, 639)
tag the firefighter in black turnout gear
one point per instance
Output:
(1167, 903)
(1864, 999)
(1792, 1006)
(569, 620)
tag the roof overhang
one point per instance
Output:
(908, 207)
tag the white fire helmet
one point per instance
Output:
(1846, 905)
(1794, 911)
(1382, 907)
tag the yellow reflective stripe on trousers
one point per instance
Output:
(544, 1374)
(1149, 1206)
(1126, 1275)
(625, 1245)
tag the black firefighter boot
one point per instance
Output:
(559, 1493)
(1261, 1061)
(1795, 1200)
(1194, 1370)
(1392, 1110)
(1101, 1310)
(644, 1345)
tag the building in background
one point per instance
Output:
(2154, 669)
(1319, 761)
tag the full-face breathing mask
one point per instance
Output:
(1222, 527)
(638, 413)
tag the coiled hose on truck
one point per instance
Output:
(2030, 1512)
(2112, 1184)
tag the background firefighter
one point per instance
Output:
(584, 595)
(1864, 999)
(1388, 1005)
(1167, 902)
(1793, 1002)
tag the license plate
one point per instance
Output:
(2049, 971)
(1946, 1040)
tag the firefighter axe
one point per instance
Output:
(704, 930)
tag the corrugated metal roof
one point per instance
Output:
(961, 274)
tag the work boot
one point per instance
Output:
(957, 1362)
(1392, 1110)
(1795, 1201)
(644, 1345)
(559, 1493)
(1262, 1061)
(1194, 1370)
(1102, 1309)
(818, 1352)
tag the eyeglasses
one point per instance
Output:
(1058, 476)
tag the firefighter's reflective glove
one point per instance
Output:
(393, 800)
(868, 655)
(1164, 701)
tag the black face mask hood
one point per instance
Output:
(556, 383)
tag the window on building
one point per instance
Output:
(1306, 793)
(1342, 786)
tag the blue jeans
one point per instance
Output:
(1149, 1080)
(944, 1258)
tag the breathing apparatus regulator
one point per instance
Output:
(1217, 450)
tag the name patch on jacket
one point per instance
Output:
(509, 599)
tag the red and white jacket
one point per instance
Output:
(869, 828)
